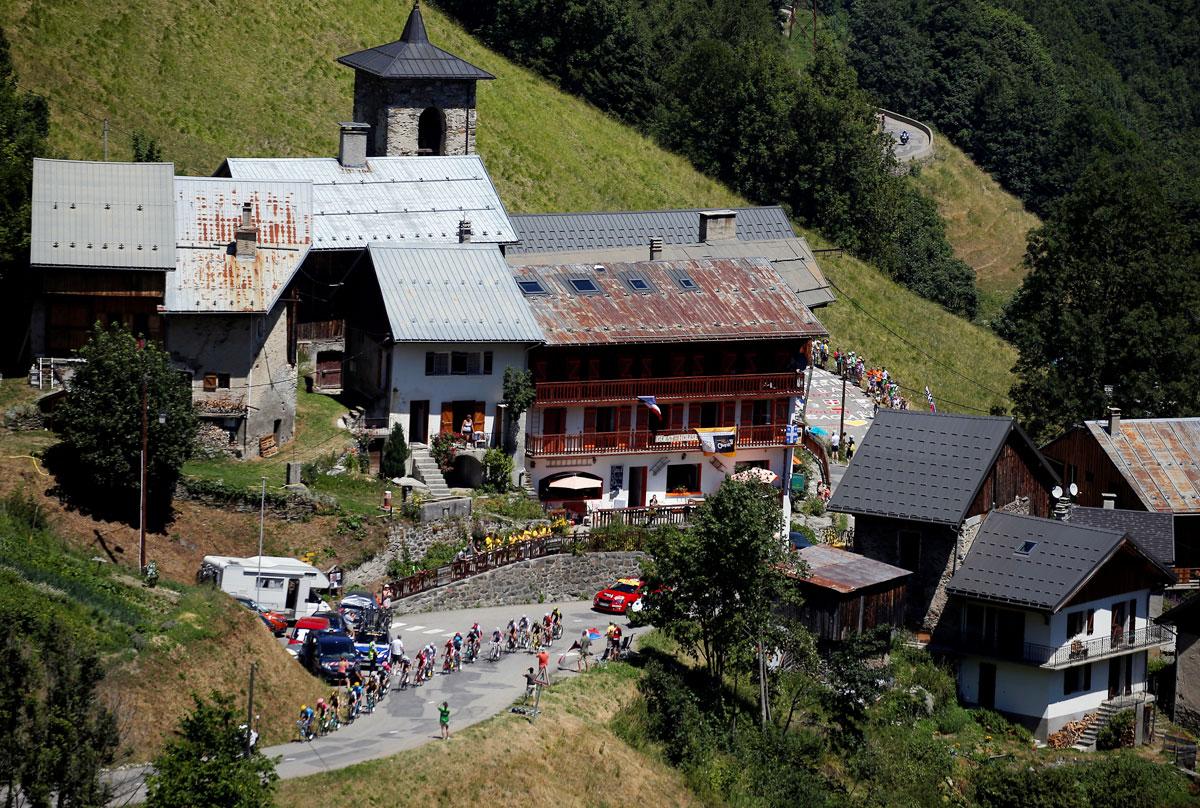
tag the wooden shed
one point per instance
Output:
(846, 593)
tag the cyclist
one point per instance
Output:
(473, 643)
(497, 637)
(372, 656)
(556, 623)
(405, 665)
(335, 709)
(458, 644)
(448, 660)
(305, 723)
(322, 716)
(512, 636)
(431, 656)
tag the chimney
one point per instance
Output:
(655, 249)
(464, 231)
(352, 147)
(1114, 421)
(246, 237)
(718, 225)
(1110, 501)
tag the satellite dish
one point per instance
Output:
(1056, 492)
(1074, 489)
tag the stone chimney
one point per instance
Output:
(352, 146)
(655, 249)
(718, 225)
(1114, 421)
(464, 231)
(1110, 501)
(246, 237)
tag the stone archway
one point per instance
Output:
(431, 132)
(466, 472)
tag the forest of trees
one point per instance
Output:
(711, 80)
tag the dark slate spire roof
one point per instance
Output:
(413, 57)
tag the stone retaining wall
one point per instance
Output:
(552, 578)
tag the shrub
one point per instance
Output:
(952, 719)
(395, 454)
(904, 766)
(809, 534)
(442, 450)
(1117, 732)
(995, 724)
(814, 506)
(439, 554)
(1121, 780)
(517, 506)
(497, 470)
(673, 715)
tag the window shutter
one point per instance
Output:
(593, 368)
(474, 366)
(1087, 676)
(698, 364)
(624, 418)
(1091, 620)
(747, 412)
(429, 363)
(477, 422)
(727, 417)
(728, 362)
(448, 424)
(589, 419)
(487, 363)
(647, 366)
(676, 416)
(781, 411)
(624, 367)
(678, 364)
(750, 362)
(210, 382)
(539, 370)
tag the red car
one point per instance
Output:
(275, 621)
(619, 597)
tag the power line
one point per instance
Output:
(919, 350)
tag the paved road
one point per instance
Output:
(825, 410)
(406, 719)
(918, 142)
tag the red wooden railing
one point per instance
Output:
(474, 564)
(1188, 576)
(678, 515)
(664, 440)
(698, 388)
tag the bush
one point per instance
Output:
(673, 715)
(995, 724)
(813, 506)
(809, 534)
(442, 450)
(904, 765)
(514, 507)
(1121, 780)
(439, 554)
(1117, 732)
(395, 454)
(497, 470)
(952, 719)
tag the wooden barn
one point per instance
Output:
(846, 593)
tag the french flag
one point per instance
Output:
(652, 404)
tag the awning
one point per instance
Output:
(756, 474)
(575, 482)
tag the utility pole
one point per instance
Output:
(250, 712)
(262, 512)
(142, 480)
(105, 131)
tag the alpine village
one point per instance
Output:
(600, 402)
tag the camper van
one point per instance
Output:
(281, 584)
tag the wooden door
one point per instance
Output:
(447, 424)
(637, 486)
(329, 370)
(1115, 669)
(987, 685)
(1117, 632)
(477, 420)
(418, 422)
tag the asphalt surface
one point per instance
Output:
(409, 718)
(825, 412)
(918, 142)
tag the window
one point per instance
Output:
(1026, 548)
(216, 381)
(683, 479)
(637, 283)
(270, 583)
(761, 415)
(708, 414)
(458, 363)
(585, 286)
(908, 549)
(532, 287)
(684, 280)
(1077, 680)
(1079, 622)
(606, 419)
(223, 381)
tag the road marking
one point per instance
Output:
(398, 625)
(285, 760)
(415, 628)
(434, 631)
(449, 634)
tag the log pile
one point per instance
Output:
(1066, 737)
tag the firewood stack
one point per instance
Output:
(1066, 737)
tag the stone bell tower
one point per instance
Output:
(415, 97)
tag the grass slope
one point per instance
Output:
(986, 225)
(209, 80)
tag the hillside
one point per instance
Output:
(165, 69)
(986, 225)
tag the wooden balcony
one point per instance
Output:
(686, 388)
(1188, 576)
(664, 440)
(1076, 652)
(678, 515)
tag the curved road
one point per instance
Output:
(406, 719)
(918, 141)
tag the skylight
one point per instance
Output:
(685, 282)
(638, 284)
(532, 287)
(583, 285)
(1026, 548)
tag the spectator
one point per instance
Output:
(444, 720)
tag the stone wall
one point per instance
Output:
(552, 578)
(393, 108)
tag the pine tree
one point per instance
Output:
(395, 454)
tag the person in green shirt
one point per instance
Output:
(444, 720)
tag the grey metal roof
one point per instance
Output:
(393, 199)
(1154, 531)
(1063, 558)
(561, 232)
(921, 466)
(1158, 457)
(843, 571)
(208, 276)
(451, 293)
(413, 57)
(111, 215)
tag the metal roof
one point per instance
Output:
(791, 257)
(734, 299)
(209, 276)
(110, 215)
(842, 571)
(451, 293)
(922, 466)
(413, 57)
(560, 232)
(1154, 531)
(393, 199)
(1158, 457)
(1062, 559)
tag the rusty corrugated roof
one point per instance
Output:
(843, 571)
(1159, 458)
(729, 299)
(209, 277)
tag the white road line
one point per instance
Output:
(434, 631)
(448, 634)
(398, 625)
(415, 628)
(285, 760)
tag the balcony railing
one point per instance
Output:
(664, 440)
(1188, 576)
(648, 517)
(1076, 652)
(697, 388)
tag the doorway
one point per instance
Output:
(293, 588)
(1120, 676)
(431, 132)
(418, 422)
(987, 685)
(637, 486)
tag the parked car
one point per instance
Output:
(276, 621)
(323, 652)
(336, 622)
(383, 645)
(299, 632)
(619, 597)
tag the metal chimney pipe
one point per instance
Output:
(246, 214)
(656, 248)
(1110, 501)
(1114, 421)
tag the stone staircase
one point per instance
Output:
(1087, 739)
(425, 469)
